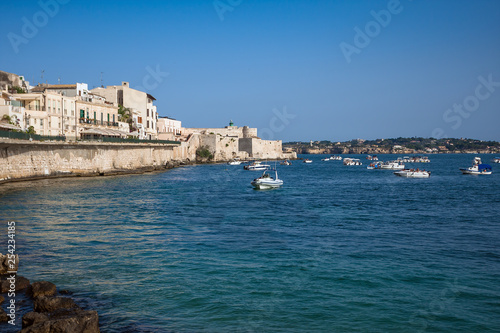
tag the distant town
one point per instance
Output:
(395, 146)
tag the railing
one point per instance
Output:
(26, 136)
(97, 122)
(118, 140)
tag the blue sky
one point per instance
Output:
(278, 65)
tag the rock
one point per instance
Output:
(51, 304)
(20, 284)
(42, 288)
(65, 292)
(32, 318)
(3, 316)
(5, 264)
(71, 321)
(1, 299)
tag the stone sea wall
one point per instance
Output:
(31, 160)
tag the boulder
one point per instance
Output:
(51, 304)
(42, 288)
(5, 265)
(21, 283)
(33, 318)
(71, 321)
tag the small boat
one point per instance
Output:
(286, 162)
(352, 161)
(256, 166)
(265, 181)
(411, 173)
(372, 158)
(336, 158)
(496, 160)
(393, 165)
(234, 162)
(375, 166)
(477, 168)
(307, 160)
(326, 159)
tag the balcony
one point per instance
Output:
(97, 122)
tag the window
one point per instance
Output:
(102, 118)
(113, 119)
(147, 124)
(82, 113)
(147, 112)
(41, 122)
(108, 117)
(95, 117)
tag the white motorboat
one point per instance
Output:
(496, 160)
(392, 165)
(256, 166)
(336, 158)
(286, 162)
(352, 161)
(265, 181)
(372, 158)
(307, 160)
(326, 159)
(234, 162)
(477, 168)
(411, 173)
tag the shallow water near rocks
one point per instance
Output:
(336, 249)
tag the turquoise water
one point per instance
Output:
(336, 249)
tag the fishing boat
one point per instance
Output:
(265, 181)
(393, 165)
(477, 168)
(256, 166)
(411, 173)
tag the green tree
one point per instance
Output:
(30, 130)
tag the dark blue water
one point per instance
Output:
(336, 249)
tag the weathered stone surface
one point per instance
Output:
(41, 288)
(5, 264)
(1, 299)
(51, 304)
(70, 321)
(32, 318)
(20, 284)
(3, 316)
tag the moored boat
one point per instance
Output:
(256, 166)
(234, 162)
(477, 168)
(307, 160)
(496, 160)
(374, 166)
(411, 173)
(286, 162)
(352, 161)
(265, 181)
(393, 165)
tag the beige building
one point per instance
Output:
(144, 112)
(169, 128)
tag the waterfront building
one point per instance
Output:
(141, 104)
(169, 128)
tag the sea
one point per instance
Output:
(335, 249)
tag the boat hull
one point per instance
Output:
(412, 174)
(266, 185)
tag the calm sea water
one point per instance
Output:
(337, 249)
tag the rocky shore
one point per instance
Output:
(51, 310)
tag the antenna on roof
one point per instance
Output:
(59, 80)
(43, 71)
(101, 80)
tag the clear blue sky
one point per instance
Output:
(278, 55)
